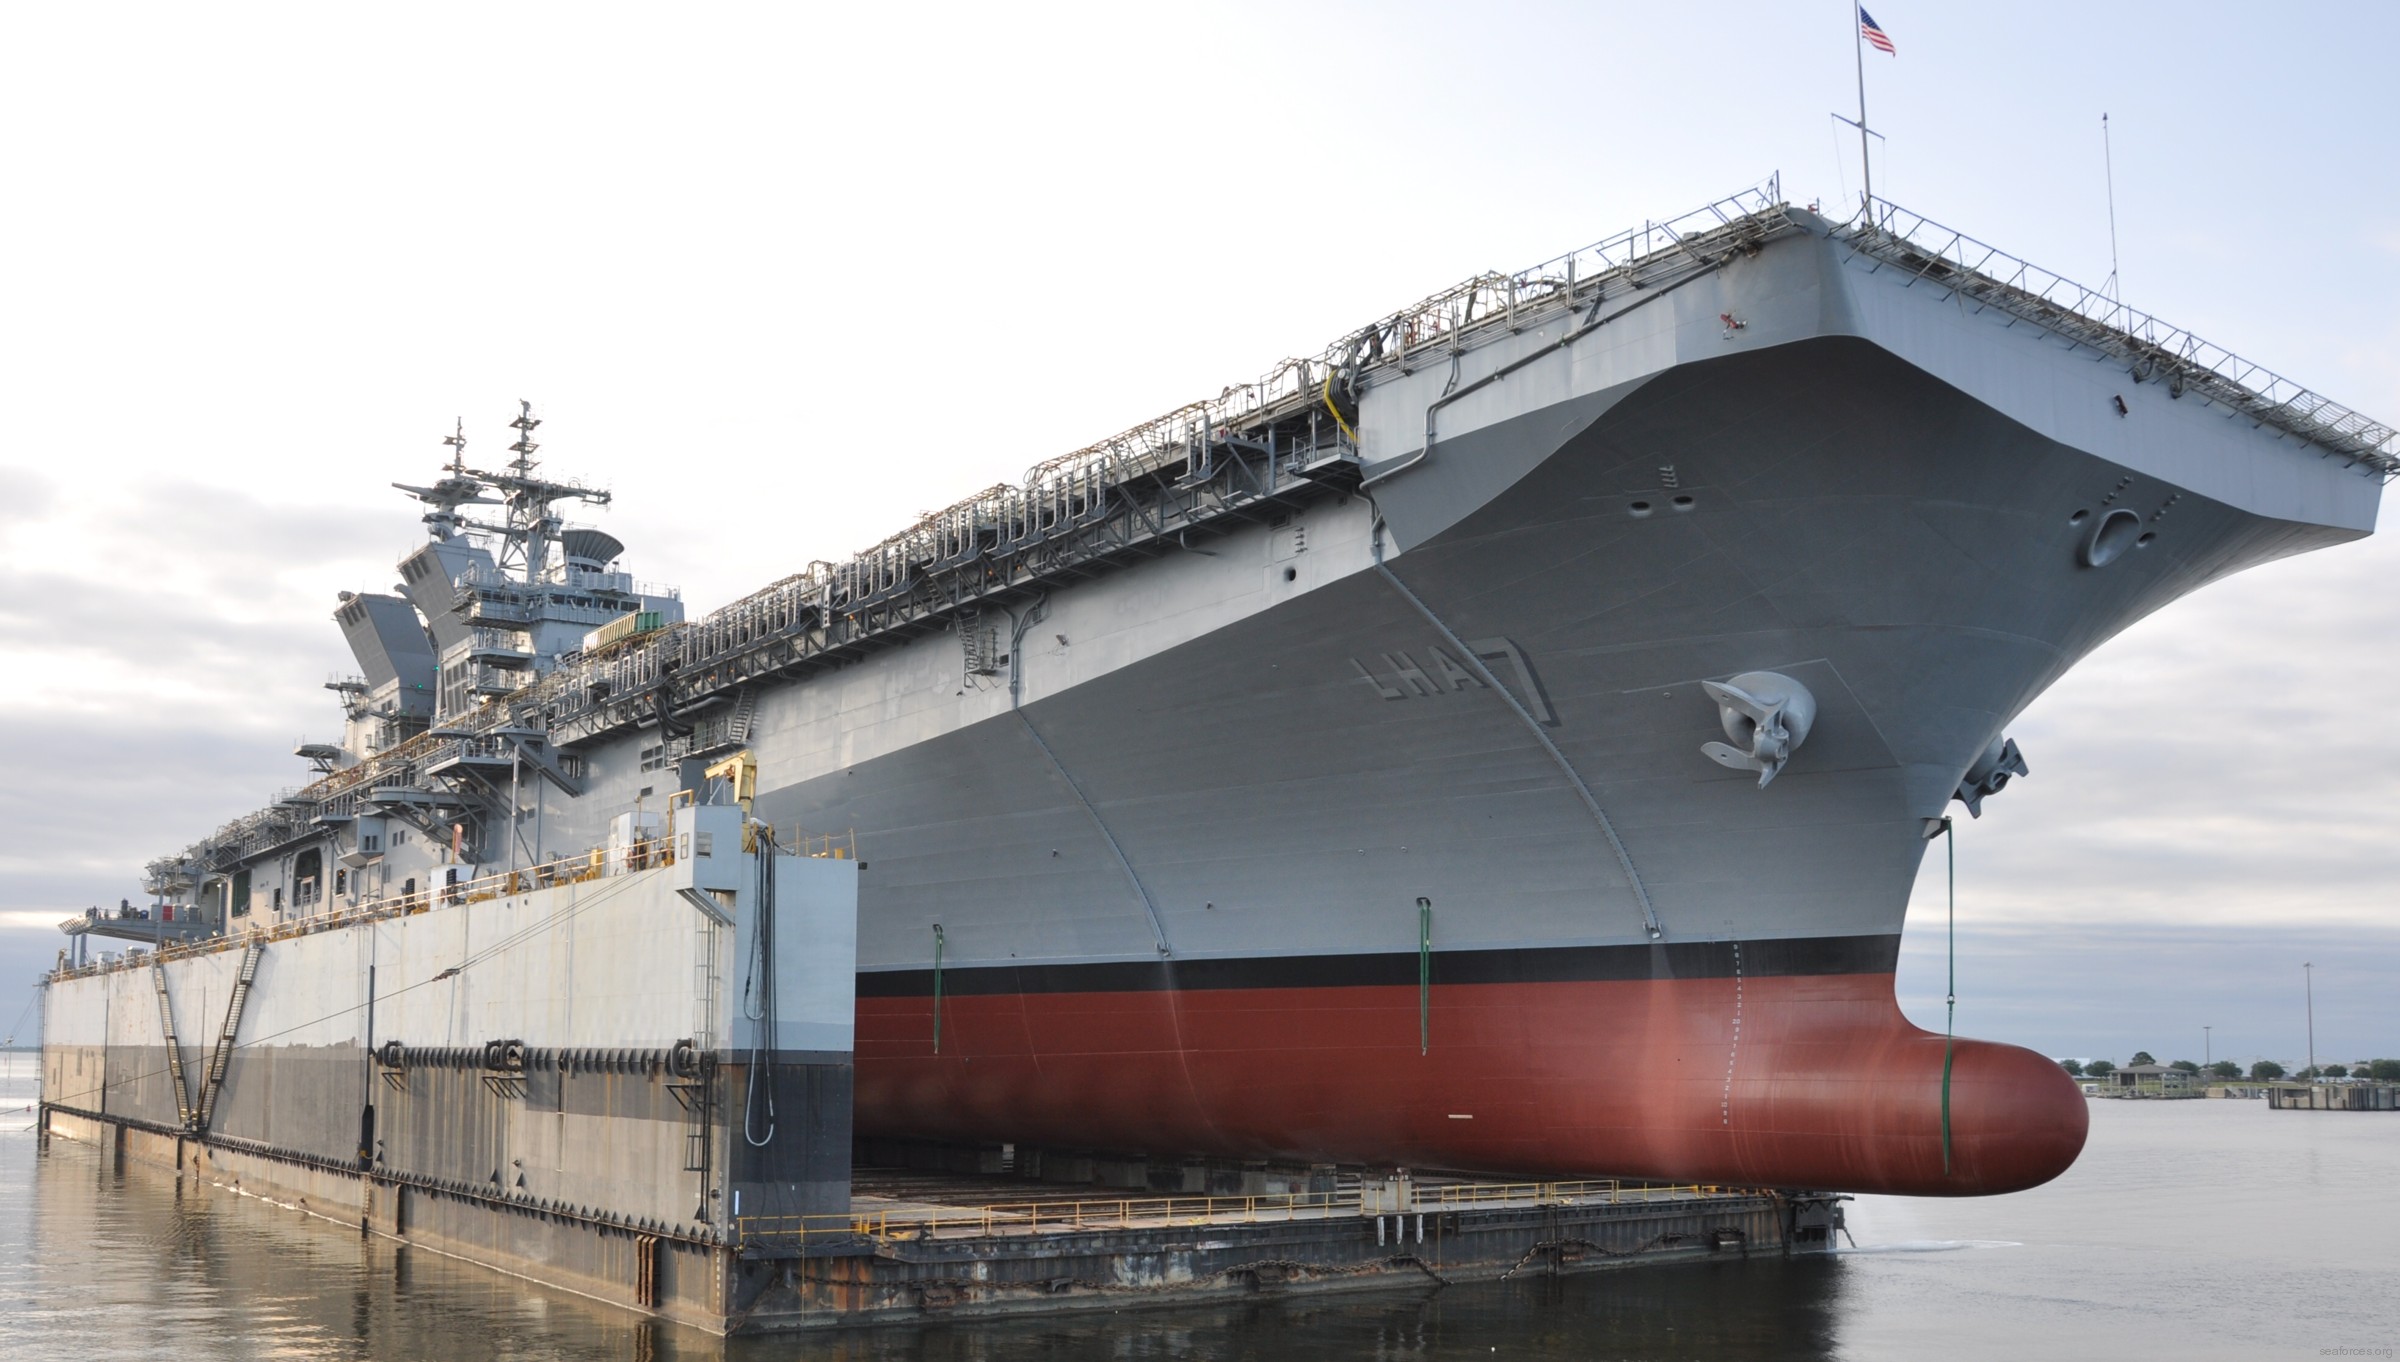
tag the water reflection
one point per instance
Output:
(137, 1264)
(1765, 1307)
(2265, 1233)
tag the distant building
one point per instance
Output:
(2151, 1078)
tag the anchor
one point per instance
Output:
(1767, 714)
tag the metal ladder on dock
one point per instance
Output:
(700, 1098)
(221, 1058)
(166, 1026)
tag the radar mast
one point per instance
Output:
(533, 526)
(459, 488)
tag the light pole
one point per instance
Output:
(2207, 1054)
(2308, 980)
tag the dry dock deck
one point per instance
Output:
(923, 1242)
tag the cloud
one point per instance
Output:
(205, 603)
(2202, 817)
(2105, 990)
(236, 550)
(166, 643)
(2215, 763)
(99, 798)
(24, 496)
(162, 633)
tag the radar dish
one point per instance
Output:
(597, 547)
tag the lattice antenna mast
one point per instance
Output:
(525, 424)
(458, 487)
(533, 521)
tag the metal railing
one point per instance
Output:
(598, 863)
(651, 853)
(141, 915)
(487, 747)
(1696, 239)
(831, 846)
(1611, 1189)
(498, 580)
(1108, 1213)
(2155, 350)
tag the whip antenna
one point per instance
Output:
(2108, 162)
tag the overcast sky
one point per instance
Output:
(785, 277)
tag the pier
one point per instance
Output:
(2335, 1097)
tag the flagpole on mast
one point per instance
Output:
(1866, 164)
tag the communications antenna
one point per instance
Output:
(2115, 287)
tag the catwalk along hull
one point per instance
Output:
(1319, 880)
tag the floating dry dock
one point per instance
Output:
(628, 1075)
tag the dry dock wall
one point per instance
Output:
(555, 1083)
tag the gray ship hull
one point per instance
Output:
(1293, 783)
(1264, 809)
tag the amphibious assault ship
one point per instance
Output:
(1504, 741)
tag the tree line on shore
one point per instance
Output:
(2386, 1070)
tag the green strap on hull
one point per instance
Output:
(1950, 1022)
(1424, 976)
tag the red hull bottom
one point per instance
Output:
(1812, 1081)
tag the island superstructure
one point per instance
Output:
(1504, 741)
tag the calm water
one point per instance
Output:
(2189, 1230)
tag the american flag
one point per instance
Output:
(1876, 37)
